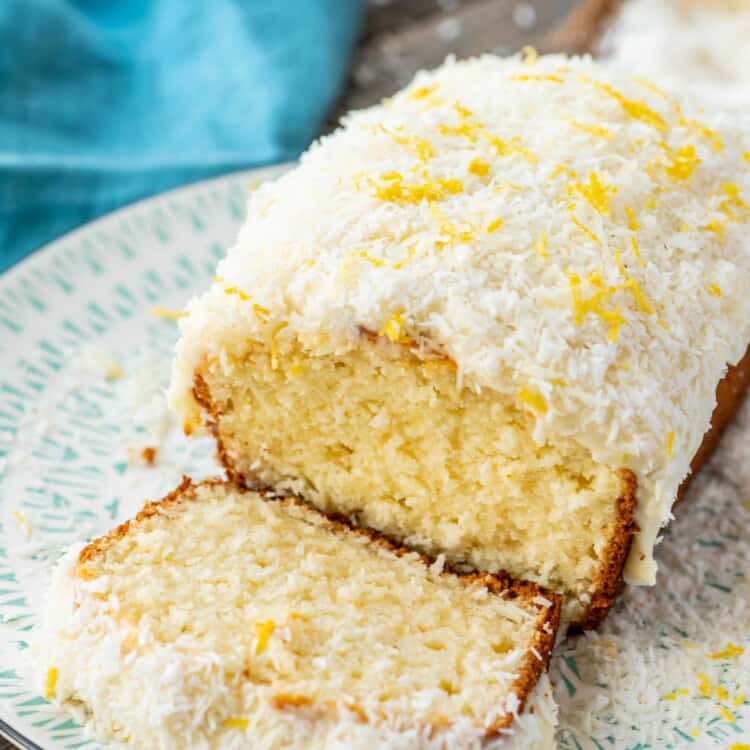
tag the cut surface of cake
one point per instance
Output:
(487, 318)
(220, 618)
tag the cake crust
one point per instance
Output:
(536, 659)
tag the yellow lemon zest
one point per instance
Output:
(265, 631)
(564, 169)
(633, 224)
(261, 312)
(695, 732)
(596, 192)
(585, 229)
(375, 261)
(705, 687)
(534, 399)
(479, 167)
(493, 226)
(715, 289)
(466, 129)
(422, 92)
(409, 255)
(162, 312)
(507, 186)
(738, 699)
(238, 292)
(675, 693)
(718, 227)
(449, 228)
(236, 723)
(726, 713)
(394, 190)
(593, 129)
(670, 444)
(652, 87)
(733, 202)
(683, 162)
(593, 304)
(395, 330)
(729, 652)
(537, 77)
(635, 108)
(50, 685)
(739, 746)
(712, 136)
(530, 55)
(633, 286)
(636, 251)
(22, 522)
(541, 246)
(421, 146)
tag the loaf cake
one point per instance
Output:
(487, 318)
(698, 47)
(220, 618)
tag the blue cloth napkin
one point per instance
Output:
(106, 101)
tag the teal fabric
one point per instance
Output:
(106, 101)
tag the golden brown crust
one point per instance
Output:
(546, 624)
(100, 545)
(202, 397)
(730, 393)
(609, 581)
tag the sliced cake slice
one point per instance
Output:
(223, 618)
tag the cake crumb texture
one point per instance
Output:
(219, 616)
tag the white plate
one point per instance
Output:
(83, 364)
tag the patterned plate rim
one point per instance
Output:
(42, 255)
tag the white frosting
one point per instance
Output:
(176, 696)
(569, 149)
(696, 46)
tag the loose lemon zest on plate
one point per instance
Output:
(164, 312)
(50, 685)
(675, 693)
(729, 652)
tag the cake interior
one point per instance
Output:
(390, 440)
(300, 618)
